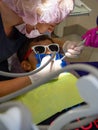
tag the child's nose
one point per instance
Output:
(48, 51)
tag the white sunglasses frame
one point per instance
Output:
(45, 46)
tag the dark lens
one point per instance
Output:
(54, 48)
(39, 49)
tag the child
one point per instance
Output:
(36, 52)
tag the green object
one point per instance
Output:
(52, 97)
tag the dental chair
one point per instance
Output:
(58, 92)
(88, 89)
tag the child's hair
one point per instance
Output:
(25, 47)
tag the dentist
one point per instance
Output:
(20, 19)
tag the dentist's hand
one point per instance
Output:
(72, 49)
(51, 67)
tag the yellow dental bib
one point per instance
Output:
(52, 97)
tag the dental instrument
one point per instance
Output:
(49, 77)
(67, 53)
(27, 73)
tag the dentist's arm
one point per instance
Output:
(10, 86)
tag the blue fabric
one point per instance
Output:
(58, 56)
(82, 73)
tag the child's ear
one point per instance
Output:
(26, 66)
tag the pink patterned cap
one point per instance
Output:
(41, 11)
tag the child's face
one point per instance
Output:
(32, 61)
(32, 58)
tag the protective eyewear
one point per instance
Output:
(41, 49)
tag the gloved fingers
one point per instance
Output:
(68, 45)
(73, 52)
(72, 49)
(69, 55)
(79, 48)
